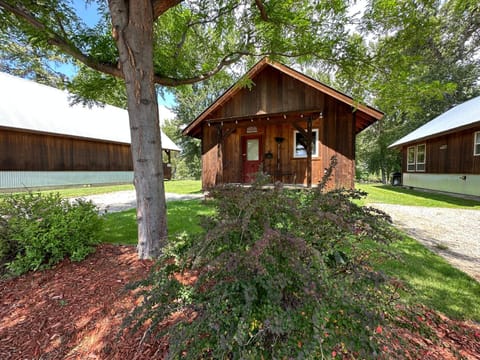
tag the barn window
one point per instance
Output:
(416, 158)
(476, 145)
(300, 146)
(420, 158)
(411, 158)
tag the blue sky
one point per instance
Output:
(88, 13)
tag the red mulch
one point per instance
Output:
(74, 311)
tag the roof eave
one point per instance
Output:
(400, 143)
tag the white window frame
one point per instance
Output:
(476, 144)
(411, 165)
(424, 157)
(314, 153)
(414, 166)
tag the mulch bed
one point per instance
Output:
(75, 310)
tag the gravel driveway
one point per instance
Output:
(453, 234)
(125, 200)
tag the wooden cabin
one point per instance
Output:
(286, 125)
(444, 154)
(46, 142)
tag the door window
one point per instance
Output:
(252, 150)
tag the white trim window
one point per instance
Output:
(411, 158)
(420, 157)
(416, 158)
(299, 149)
(476, 144)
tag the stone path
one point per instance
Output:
(453, 234)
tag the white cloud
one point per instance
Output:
(165, 114)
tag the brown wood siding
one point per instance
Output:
(273, 92)
(40, 152)
(456, 158)
(336, 138)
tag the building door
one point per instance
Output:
(251, 156)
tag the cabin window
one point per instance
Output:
(299, 144)
(476, 145)
(420, 158)
(411, 158)
(416, 158)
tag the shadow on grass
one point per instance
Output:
(433, 282)
(431, 196)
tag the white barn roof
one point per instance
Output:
(25, 104)
(457, 117)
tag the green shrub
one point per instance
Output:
(281, 274)
(40, 230)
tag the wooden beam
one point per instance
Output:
(309, 152)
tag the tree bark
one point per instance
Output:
(133, 33)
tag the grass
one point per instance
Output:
(172, 186)
(432, 281)
(182, 217)
(183, 186)
(388, 194)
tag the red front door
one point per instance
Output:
(251, 156)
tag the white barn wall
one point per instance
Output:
(38, 179)
(465, 184)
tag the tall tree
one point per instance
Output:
(191, 41)
(416, 60)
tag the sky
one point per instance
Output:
(88, 14)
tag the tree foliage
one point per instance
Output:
(191, 100)
(420, 58)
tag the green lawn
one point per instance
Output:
(432, 281)
(183, 186)
(388, 194)
(172, 186)
(183, 216)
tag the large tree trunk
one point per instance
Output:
(133, 32)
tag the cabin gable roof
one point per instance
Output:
(278, 89)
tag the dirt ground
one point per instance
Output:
(74, 311)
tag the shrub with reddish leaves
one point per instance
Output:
(281, 274)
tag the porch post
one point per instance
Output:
(219, 172)
(309, 151)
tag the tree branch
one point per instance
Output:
(109, 68)
(56, 40)
(161, 6)
(263, 11)
(227, 60)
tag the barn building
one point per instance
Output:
(286, 125)
(45, 142)
(444, 154)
